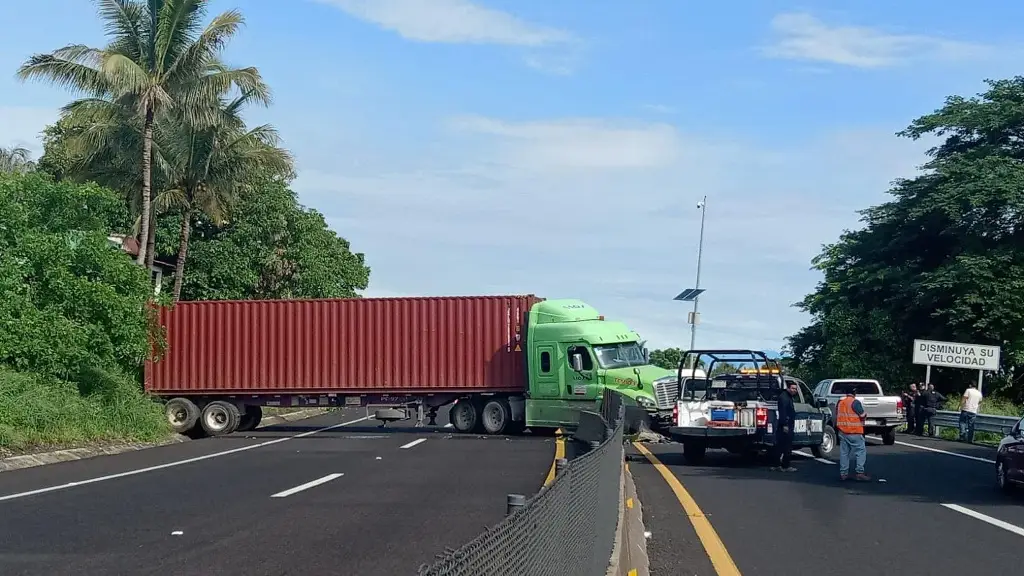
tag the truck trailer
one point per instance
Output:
(504, 363)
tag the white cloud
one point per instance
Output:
(550, 49)
(605, 211)
(801, 36)
(22, 126)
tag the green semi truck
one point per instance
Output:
(503, 363)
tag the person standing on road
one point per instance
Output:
(784, 429)
(910, 401)
(932, 401)
(850, 416)
(969, 404)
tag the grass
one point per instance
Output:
(39, 413)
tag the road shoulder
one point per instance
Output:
(80, 453)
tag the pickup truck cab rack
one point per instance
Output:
(736, 411)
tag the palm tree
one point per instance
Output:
(16, 159)
(210, 167)
(159, 57)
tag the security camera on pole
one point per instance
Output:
(693, 294)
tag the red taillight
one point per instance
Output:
(675, 413)
(761, 416)
(899, 405)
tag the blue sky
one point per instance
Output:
(560, 148)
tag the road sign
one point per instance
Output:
(689, 295)
(956, 355)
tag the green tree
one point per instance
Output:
(667, 358)
(271, 248)
(159, 57)
(943, 259)
(69, 301)
(16, 159)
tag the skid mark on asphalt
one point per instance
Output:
(176, 462)
(307, 485)
(713, 546)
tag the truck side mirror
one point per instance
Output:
(647, 355)
(576, 360)
(821, 402)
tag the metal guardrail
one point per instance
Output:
(983, 423)
(568, 528)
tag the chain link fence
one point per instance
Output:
(566, 529)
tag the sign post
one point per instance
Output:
(956, 355)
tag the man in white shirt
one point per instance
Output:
(969, 404)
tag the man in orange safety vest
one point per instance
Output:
(850, 415)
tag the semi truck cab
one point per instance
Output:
(575, 354)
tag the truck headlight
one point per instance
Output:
(646, 403)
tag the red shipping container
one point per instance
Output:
(357, 345)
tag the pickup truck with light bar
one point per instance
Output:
(738, 412)
(884, 413)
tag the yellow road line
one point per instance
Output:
(559, 453)
(713, 546)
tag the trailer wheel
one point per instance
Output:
(182, 414)
(250, 418)
(220, 418)
(464, 415)
(496, 416)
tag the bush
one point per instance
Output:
(74, 319)
(36, 411)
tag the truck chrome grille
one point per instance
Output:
(666, 394)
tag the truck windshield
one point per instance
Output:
(621, 355)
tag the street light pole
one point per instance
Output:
(703, 205)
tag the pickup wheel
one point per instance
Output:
(694, 452)
(828, 443)
(220, 418)
(889, 436)
(496, 416)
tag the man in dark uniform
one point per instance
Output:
(910, 404)
(932, 402)
(784, 428)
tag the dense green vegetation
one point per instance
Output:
(942, 260)
(155, 149)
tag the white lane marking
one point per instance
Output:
(175, 463)
(307, 485)
(414, 443)
(811, 456)
(947, 452)
(986, 518)
(449, 425)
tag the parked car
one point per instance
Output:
(1010, 459)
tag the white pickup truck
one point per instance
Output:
(884, 413)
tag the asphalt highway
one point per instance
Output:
(937, 512)
(328, 495)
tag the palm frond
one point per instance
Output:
(75, 67)
(125, 23)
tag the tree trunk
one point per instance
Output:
(151, 241)
(147, 173)
(179, 266)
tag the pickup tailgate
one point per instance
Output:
(887, 407)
